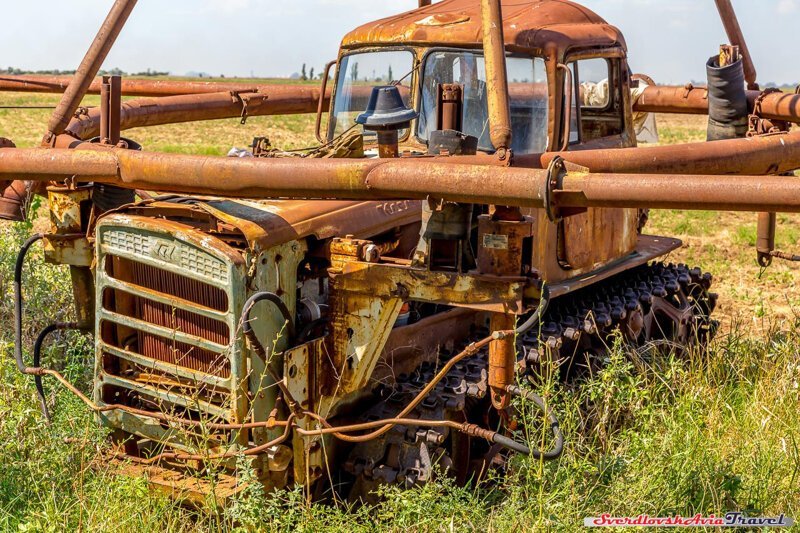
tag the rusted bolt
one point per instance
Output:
(401, 292)
(372, 254)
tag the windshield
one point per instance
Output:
(528, 98)
(358, 74)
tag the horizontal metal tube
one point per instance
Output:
(772, 154)
(196, 107)
(374, 179)
(148, 88)
(694, 101)
(717, 193)
(348, 179)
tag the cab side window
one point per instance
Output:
(597, 104)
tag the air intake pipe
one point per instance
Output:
(727, 100)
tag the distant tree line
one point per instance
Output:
(57, 72)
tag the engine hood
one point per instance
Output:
(266, 223)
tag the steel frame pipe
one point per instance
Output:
(189, 108)
(769, 154)
(694, 101)
(158, 88)
(728, 16)
(401, 179)
(88, 68)
(665, 191)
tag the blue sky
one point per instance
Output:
(668, 39)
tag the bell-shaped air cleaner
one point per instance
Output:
(386, 110)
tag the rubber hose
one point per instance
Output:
(558, 447)
(536, 317)
(18, 301)
(727, 100)
(511, 444)
(275, 300)
(37, 358)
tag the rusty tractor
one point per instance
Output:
(367, 311)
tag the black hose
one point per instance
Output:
(18, 301)
(18, 306)
(537, 315)
(727, 100)
(37, 358)
(247, 328)
(511, 444)
(558, 447)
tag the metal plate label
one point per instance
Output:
(497, 242)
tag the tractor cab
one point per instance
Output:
(567, 76)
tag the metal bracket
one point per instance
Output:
(554, 170)
(237, 97)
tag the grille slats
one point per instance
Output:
(172, 317)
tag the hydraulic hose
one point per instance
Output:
(558, 448)
(23, 368)
(536, 317)
(470, 350)
(37, 358)
(247, 328)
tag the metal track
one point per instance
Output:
(657, 302)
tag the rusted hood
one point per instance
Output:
(271, 222)
(529, 26)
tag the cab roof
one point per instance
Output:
(530, 26)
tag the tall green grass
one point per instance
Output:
(711, 432)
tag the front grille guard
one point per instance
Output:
(177, 387)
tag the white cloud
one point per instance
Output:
(787, 6)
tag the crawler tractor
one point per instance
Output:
(374, 310)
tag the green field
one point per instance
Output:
(714, 433)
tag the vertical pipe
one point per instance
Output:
(88, 68)
(496, 77)
(105, 110)
(388, 144)
(736, 37)
(424, 3)
(114, 109)
(502, 360)
(765, 241)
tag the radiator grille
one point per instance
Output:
(165, 349)
(186, 257)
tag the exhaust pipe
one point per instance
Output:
(494, 52)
